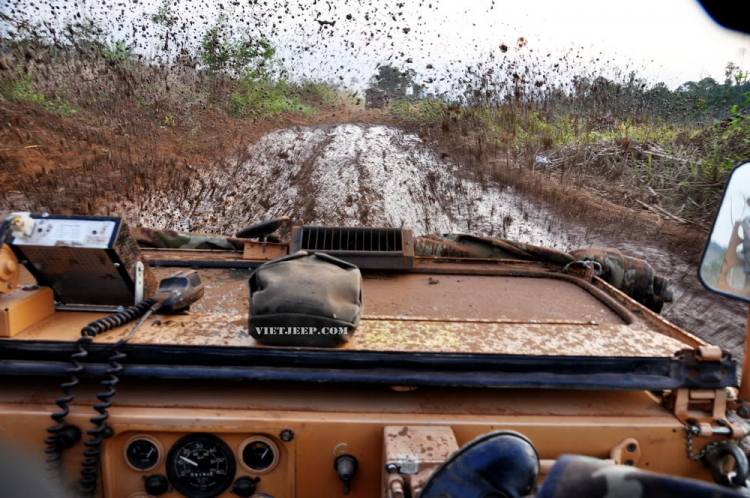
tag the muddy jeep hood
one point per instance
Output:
(499, 323)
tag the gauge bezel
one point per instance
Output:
(189, 438)
(263, 439)
(150, 439)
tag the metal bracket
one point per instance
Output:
(627, 452)
(138, 282)
(705, 410)
(708, 353)
(590, 269)
(264, 250)
(22, 224)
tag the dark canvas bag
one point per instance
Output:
(304, 300)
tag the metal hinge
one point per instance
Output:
(705, 411)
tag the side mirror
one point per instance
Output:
(725, 264)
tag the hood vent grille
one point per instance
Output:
(374, 248)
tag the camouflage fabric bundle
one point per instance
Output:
(633, 276)
(585, 477)
(172, 239)
(471, 246)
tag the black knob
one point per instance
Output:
(346, 466)
(245, 486)
(156, 484)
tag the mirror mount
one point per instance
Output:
(744, 392)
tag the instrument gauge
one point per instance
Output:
(200, 466)
(143, 452)
(259, 454)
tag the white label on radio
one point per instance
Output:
(87, 234)
(64, 231)
(94, 241)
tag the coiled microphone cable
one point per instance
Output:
(54, 444)
(175, 293)
(90, 463)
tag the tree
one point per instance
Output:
(396, 83)
(243, 55)
(165, 18)
(714, 99)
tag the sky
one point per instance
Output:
(664, 40)
(677, 35)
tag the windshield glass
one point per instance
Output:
(563, 125)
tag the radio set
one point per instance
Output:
(87, 261)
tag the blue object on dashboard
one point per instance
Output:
(497, 464)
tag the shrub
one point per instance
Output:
(244, 55)
(118, 52)
(264, 98)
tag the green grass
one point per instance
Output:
(264, 99)
(426, 112)
(20, 90)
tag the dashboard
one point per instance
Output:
(210, 439)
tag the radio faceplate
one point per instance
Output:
(83, 233)
(86, 260)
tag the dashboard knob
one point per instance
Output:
(245, 486)
(156, 484)
(346, 467)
